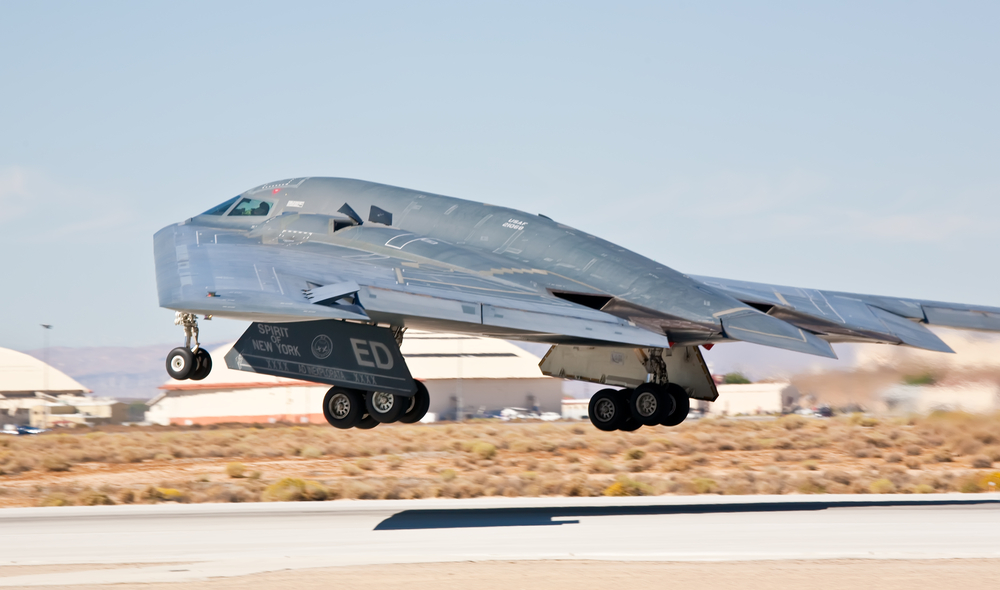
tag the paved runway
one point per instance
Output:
(175, 543)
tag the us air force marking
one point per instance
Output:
(326, 351)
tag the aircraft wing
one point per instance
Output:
(228, 275)
(850, 317)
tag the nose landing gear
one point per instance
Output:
(185, 362)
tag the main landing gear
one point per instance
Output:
(647, 405)
(185, 362)
(345, 408)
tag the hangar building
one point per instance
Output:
(465, 375)
(32, 392)
(752, 399)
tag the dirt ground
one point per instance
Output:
(601, 575)
(846, 454)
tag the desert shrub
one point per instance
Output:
(811, 485)
(292, 489)
(923, 489)
(310, 452)
(482, 449)
(626, 486)
(55, 463)
(966, 446)
(727, 446)
(229, 493)
(635, 454)
(158, 494)
(913, 450)
(366, 464)
(602, 466)
(127, 497)
(94, 498)
(704, 485)
(793, 422)
(684, 448)
(982, 462)
(640, 465)
(235, 470)
(448, 475)
(913, 463)
(882, 486)
(893, 458)
(134, 454)
(970, 486)
(811, 465)
(394, 462)
(56, 499)
(942, 456)
(677, 464)
(700, 459)
(838, 476)
(524, 446)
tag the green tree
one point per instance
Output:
(735, 379)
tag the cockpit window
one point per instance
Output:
(251, 207)
(221, 209)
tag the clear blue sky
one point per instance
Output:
(843, 145)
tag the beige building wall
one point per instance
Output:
(476, 396)
(973, 350)
(752, 399)
(923, 399)
(50, 414)
(304, 404)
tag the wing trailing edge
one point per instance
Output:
(759, 328)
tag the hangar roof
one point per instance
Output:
(24, 374)
(428, 355)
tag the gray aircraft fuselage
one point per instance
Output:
(428, 261)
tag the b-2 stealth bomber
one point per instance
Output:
(333, 271)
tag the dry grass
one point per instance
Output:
(847, 454)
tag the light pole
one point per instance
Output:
(45, 369)
(45, 356)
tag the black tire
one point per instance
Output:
(181, 363)
(607, 410)
(650, 403)
(682, 405)
(367, 423)
(419, 404)
(630, 424)
(343, 408)
(204, 361)
(386, 407)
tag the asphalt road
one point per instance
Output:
(175, 543)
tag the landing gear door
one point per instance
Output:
(325, 351)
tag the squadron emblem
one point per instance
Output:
(322, 346)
